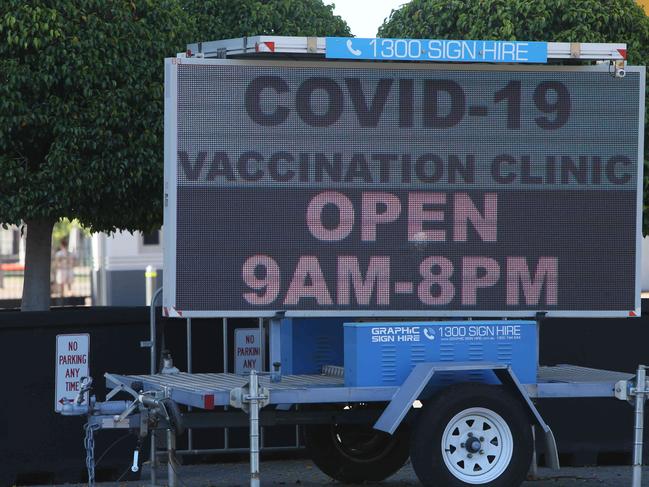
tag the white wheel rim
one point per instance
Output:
(482, 429)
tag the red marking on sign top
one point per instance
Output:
(622, 53)
(265, 46)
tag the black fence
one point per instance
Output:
(39, 446)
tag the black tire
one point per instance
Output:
(356, 453)
(451, 407)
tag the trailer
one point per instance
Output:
(401, 228)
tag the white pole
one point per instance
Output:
(226, 431)
(641, 380)
(190, 442)
(254, 429)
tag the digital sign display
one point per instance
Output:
(323, 188)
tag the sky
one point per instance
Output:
(364, 17)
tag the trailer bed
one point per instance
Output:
(213, 389)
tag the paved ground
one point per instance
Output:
(305, 474)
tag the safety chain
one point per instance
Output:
(89, 443)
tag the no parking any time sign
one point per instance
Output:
(246, 351)
(71, 365)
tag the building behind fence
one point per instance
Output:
(109, 270)
(120, 261)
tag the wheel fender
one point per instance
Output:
(509, 380)
(402, 401)
(415, 383)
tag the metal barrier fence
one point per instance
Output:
(12, 278)
(227, 448)
(191, 449)
(77, 290)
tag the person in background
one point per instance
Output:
(64, 266)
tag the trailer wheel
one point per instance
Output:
(472, 434)
(356, 453)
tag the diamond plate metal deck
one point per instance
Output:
(571, 381)
(209, 390)
(227, 382)
(574, 373)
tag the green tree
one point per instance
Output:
(532, 20)
(81, 106)
(81, 118)
(224, 19)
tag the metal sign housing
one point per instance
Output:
(368, 189)
(316, 47)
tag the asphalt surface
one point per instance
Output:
(304, 474)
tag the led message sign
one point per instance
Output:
(341, 188)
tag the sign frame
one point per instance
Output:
(170, 193)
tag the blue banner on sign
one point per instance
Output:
(437, 50)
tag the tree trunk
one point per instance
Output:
(38, 259)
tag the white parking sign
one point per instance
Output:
(71, 365)
(246, 351)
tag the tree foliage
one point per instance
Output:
(81, 97)
(223, 19)
(81, 105)
(532, 20)
(541, 20)
(81, 109)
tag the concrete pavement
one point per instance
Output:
(304, 474)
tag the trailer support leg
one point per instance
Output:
(251, 398)
(640, 394)
(254, 429)
(154, 459)
(171, 452)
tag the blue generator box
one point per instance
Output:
(308, 344)
(384, 354)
